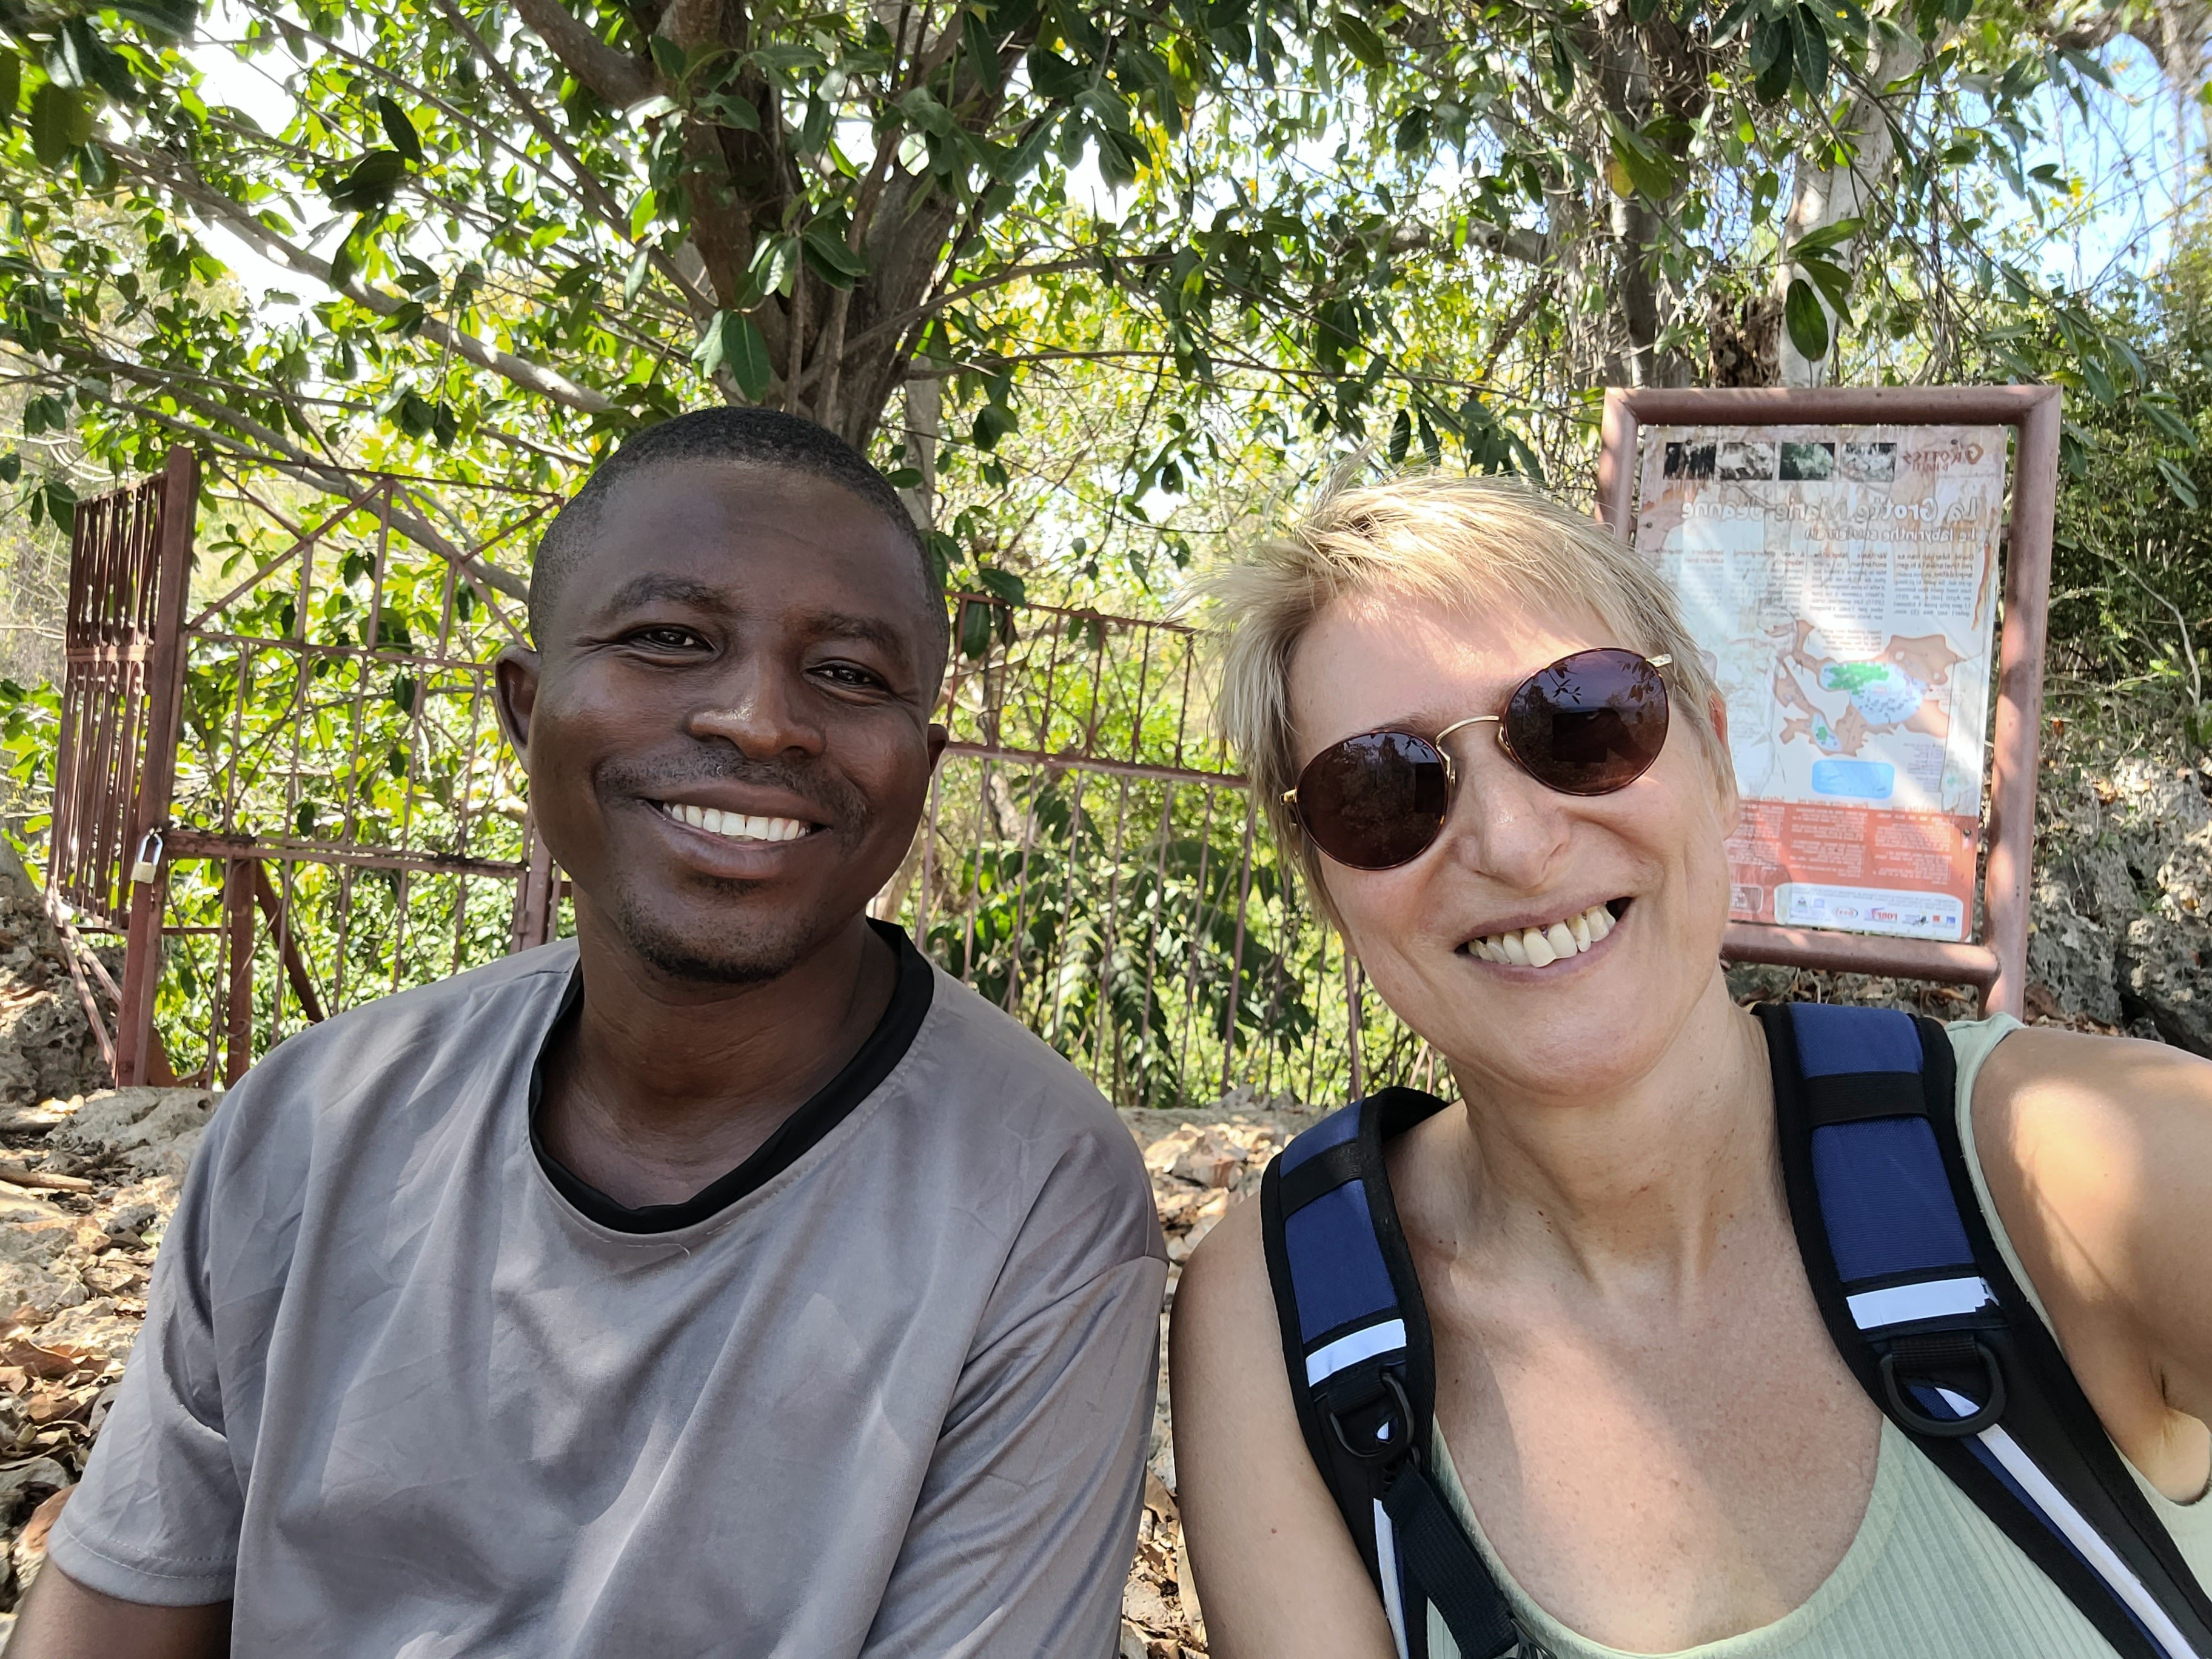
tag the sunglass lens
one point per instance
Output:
(1591, 723)
(1377, 800)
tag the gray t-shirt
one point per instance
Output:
(397, 1394)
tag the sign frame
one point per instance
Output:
(1996, 965)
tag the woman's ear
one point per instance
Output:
(1732, 799)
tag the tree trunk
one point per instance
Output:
(1825, 195)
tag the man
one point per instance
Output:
(723, 1281)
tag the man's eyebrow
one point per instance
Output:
(674, 590)
(846, 624)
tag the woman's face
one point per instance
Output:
(1514, 855)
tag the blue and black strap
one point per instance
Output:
(1356, 1344)
(1923, 1308)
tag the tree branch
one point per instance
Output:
(242, 221)
(614, 76)
(282, 456)
(588, 182)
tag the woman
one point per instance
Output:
(1641, 1420)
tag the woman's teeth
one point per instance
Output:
(738, 826)
(1539, 947)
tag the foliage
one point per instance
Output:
(2132, 588)
(30, 735)
(508, 235)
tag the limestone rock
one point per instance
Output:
(153, 1131)
(2073, 956)
(46, 1044)
(2166, 968)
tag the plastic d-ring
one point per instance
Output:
(1947, 1428)
(1383, 1443)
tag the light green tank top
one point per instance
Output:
(1927, 1574)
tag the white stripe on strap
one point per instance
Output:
(1364, 1344)
(1900, 1304)
(1386, 1559)
(2102, 1558)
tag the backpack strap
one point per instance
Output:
(1923, 1309)
(1355, 1345)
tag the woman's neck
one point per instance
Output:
(1637, 1187)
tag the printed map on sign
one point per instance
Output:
(1843, 585)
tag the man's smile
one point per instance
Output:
(736, 826)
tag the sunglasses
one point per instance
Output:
(1588, 725)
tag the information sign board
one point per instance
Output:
(1837, 549)
(1842, 584)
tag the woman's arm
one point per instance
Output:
(2099, 1155)
(1278, 1577)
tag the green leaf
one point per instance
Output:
(1401, 438)
(746, 353)
(1833, 282)
(1002, 584)
(399, 128)
(1812, 51)
(1646, 169)
(346, 260)
(1055, 79)
(164, 19)
(1361, 41)
(1827, 238)
(367, 185)
(11, 86)
(61, 119)
(992, 422)
(836, 264)
(1807, 322)
(2182, 486)
(2159, 408)
(976, 628)
(774, 265)
(636, 280)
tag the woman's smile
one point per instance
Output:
(1546, 944)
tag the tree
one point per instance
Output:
(517, 231)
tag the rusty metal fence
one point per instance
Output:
(287, 730)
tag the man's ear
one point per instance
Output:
(515, 674)
(938, 737)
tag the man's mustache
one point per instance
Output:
(841, 806)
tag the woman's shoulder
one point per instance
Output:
(2098, 1155)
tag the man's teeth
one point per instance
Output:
(738, 826)
(1539, 947)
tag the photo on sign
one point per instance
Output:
(1743, 460)
(1803, 463)
(1869, 463)
(1689, 460)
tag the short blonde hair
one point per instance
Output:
(1453, 541)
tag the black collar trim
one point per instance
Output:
(861, 1077)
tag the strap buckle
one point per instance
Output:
(1383, 1436)
(1943, 1350)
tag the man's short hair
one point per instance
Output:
(757, 437)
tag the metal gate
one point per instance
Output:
(279, 773)
(301, 759)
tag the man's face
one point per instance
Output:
(726, 723)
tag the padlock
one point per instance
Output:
(149, 858)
